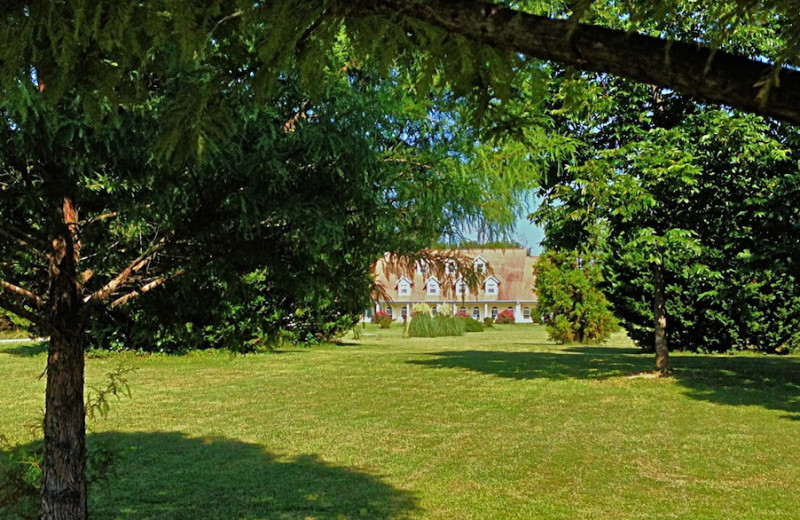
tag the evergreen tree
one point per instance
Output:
(571, 305)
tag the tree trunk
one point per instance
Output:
(660, 322)
(64, 488)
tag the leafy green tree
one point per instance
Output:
(571, 304)
(262, 214)
(679, 196)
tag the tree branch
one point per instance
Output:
(22, 312)
(124, 276)
(145, 288)
(688, 68)
(38, 302)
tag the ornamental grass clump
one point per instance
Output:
(423, 325)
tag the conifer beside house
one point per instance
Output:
(505, 281)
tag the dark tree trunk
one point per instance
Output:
(64, 489)
(660, 322)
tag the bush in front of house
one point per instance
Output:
(488, 322)
(382, 319)
(470, 324)
(505, 317)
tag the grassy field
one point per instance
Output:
(494, 425)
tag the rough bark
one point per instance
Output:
(64, 489)
(690, 69)
(660, 322)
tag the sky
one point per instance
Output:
(529, 235)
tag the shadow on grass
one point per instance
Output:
(564, 364)
(25, 348)
(171, 476)
(769, 382)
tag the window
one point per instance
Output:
(368, 314)
(389, 311)
(511, 308)
(526, 313)
(404, 312)
(462, 310)
(494, 312)
(404, 287)
(433, 287)
(476, 313)
(491, 286)
(423, 268)
(451, 267)
(461, 288)
(479, 267)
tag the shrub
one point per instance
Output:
(470, 325)
(505, 317)
(488, 322)
(383, 319)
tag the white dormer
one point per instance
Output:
(423, 267)
(451, 267)
(461, 287)
(404, 286)
(491, 285)
(432, 286)
(479, 264)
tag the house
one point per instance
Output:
(505, 280)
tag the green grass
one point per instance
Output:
(494, 425)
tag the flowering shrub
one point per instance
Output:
(382, 318)
(463, 315)
(505, 317)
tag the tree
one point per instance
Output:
(570, 301)
(173, 199)
(682, 199)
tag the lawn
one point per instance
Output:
(494, 425)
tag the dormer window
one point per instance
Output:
(432, 286)
(461, 287)
(404, 286)
(451, 267)
(490, 285)
(479, 264)
(422, 267)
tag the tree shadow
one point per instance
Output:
(555, 365)
(171, 476)
(25, 348)
(769, 382)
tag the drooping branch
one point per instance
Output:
(688, 68)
